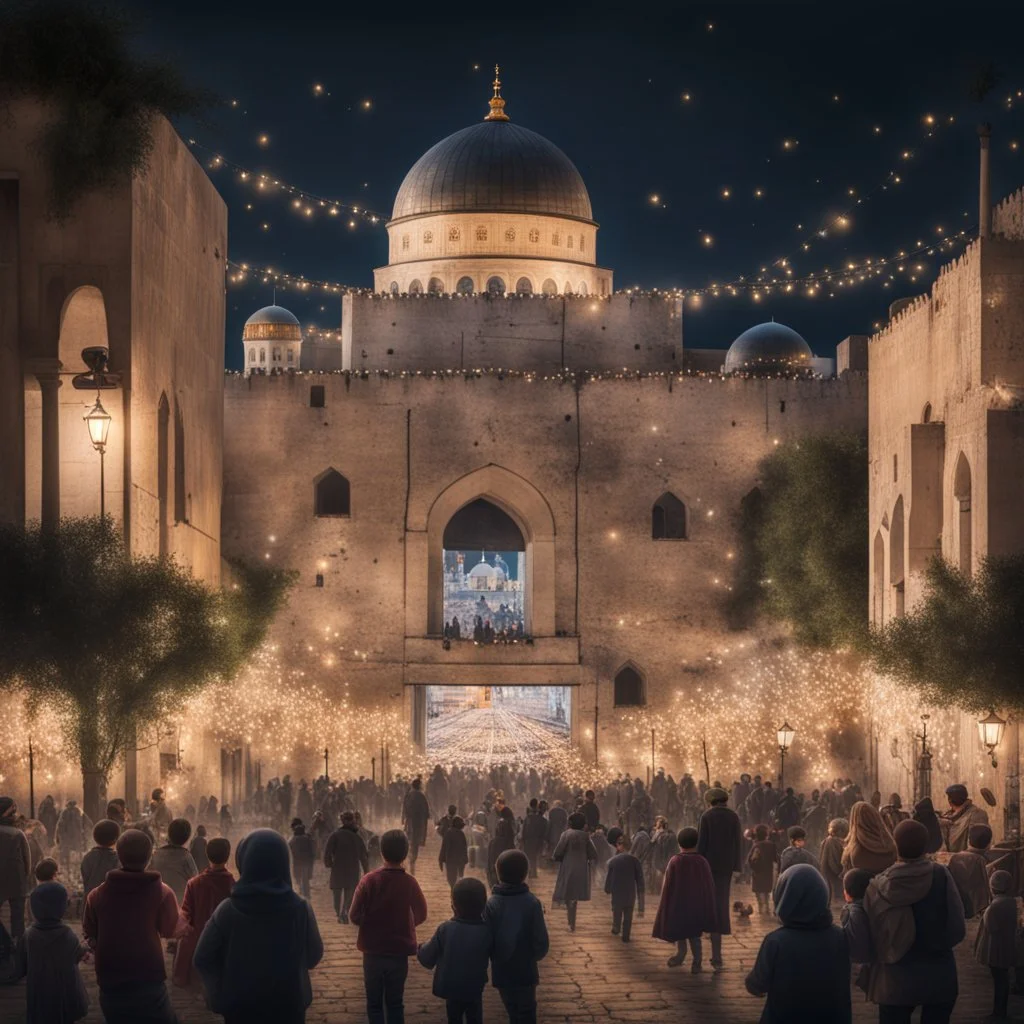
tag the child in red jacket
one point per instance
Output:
(387, 906)
(687, 907)
(125, 918)
(202, 896)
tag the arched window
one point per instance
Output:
(524, 286)
(263, 355)
(534, 235)
(582, 290)
(465, 286)
(435, 286)
(277, 355)
(568, 241)
(878, 588)
(926, 414)
(291, 356)
(405, 242)
(567, 290)
(668, 519)
(180, 505)
(252, 355)
(510, 234)
(582, 240)
(163, 458)
(481, 234)
(896, 572)
(331, 494)
(496, 286)
(549, 287)
(415, 288)
(630, 687)
(962, 494)
(555, 238)
(394, 287)
(454, 234)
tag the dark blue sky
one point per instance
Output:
(607, 88)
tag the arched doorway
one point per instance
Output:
(962, 496)
(896, 570)
(878, 580)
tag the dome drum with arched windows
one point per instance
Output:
(768, 349)
(493, 209)
(272, 340)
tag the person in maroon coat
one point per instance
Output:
(124, 920)
(687, 906)
(203, 894)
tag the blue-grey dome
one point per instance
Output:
(769, 348)
(273, 315)
(494, 166)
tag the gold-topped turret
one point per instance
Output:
(497, 103)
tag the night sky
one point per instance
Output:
(609, 90)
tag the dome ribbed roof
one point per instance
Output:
(769, 348)
(494, 166)
(273, 315)
(272, 323)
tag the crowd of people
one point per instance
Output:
(248, 943)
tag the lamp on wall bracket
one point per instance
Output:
(990, 732)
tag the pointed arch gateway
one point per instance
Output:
(528, 509)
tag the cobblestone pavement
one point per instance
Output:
(589, 977)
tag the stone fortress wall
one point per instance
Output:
(578, 461)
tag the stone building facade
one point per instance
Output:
(946, 436)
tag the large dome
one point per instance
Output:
(273, 322)
(497, 167)
(769, 348)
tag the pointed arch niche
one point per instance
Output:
(529, 511)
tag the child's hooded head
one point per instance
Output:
(49, 903)
(801, 897)
(179, 831)
(105, 833)
(979, 837)
(134, 849)
(469, 897)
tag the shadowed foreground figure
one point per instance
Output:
(803, 968)
(257, 949)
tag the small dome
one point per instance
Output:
(769, 348)
(273, 322)
(483, 569)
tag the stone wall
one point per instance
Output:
(538, 333)
(588, 458)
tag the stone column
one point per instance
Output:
(47, 373)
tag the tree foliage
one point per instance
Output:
(801, 553)
(115, 642)
(963, 644)
(76, 57)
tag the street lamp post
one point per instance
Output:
(990, 732)
(98, 422)
(31, 780)
(784, 736)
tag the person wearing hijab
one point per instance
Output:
(869, 846)
(258, 947)
(48, 955)
(996, 944)
(916, 920)
(924, 812)
(803, 968)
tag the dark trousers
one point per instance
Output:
(1001, 994)
(533, 856)
(147, 1004)
(471, 1013)
(384, 978)
(303, 873)
(342, 901)
(931, 1013)
(520, 1003)
(7, 939)
(454, 873)
(622, 919)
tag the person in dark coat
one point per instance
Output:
(454, 855)
(797, 852)
(203, 895)
(916, 920)
(558, 819)
(969, 869)
(198, 849)
(590, 811)
(48, 956)
(516, 919)
(303, 851)
(996, 943)
(459, 951)
(854, 922)
(687, 906)
(346, 858)
(102, 857)
(624, 881)
(260, 944)
(831, 856)
(803, 968)
(15, 874)
(787, 811)
(533, 835)
(504, 837)
(763, 857)
(720, 842)
(924, 812)
(574, 853)
(415, 818)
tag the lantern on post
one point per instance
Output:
(97, 419)
(784, 735)
(990, 732)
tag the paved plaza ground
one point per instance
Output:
(589, 977)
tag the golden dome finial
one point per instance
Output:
(497, 103)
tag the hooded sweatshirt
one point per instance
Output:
(95, 865)
(257, 949)
(48, 956)
(803, 968)
(124, 920)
